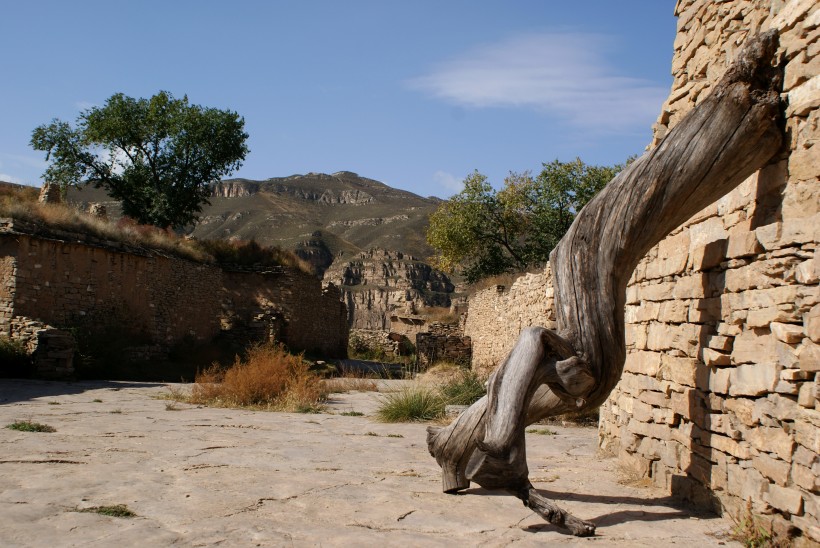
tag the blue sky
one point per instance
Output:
(416, 94)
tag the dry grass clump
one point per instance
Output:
(22, 204)
(443, 385)
(58, 217)
(351, 380)
(441, 314)
(250, 253)
(269, 378)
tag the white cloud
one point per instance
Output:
(6, 178)
(448, 181)
(561, 74)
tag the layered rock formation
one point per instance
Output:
(379, 282)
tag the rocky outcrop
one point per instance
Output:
(235, 188)
(315, 252)
(378, 282)
(369, 222)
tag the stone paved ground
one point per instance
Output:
(203, 477)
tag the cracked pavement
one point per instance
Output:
(198, 476)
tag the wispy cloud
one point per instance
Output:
(5, 177)
(561, 74)
(448, 181)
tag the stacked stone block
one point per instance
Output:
(64, 281)
(497, 315)
(719, 397)
(443, 342)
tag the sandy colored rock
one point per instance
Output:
(202, 476)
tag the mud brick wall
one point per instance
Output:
(63, 283)
(496, 316)
(161, 300)
(718, 401)
(304, 314)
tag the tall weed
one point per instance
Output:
(268, 378)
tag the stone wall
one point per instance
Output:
(719, 398)
(718, 401)
(293, 307)
(496, 316)
(379, 343)
(442, 342)
(161, 300)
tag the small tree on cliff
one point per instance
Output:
(155, 155)
(486, 232)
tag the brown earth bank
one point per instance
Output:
(197, 476)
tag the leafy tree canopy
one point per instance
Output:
(483, 232)
(155, 155)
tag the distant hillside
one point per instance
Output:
(317, 215)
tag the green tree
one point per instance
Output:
(483, 232)
(155, 155)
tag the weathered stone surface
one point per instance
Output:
(783, 498)
(754, 346)
(378, 479)
(808, 395)
(811, 323)
(788, 333)
(774, 469)
(808, 356)
(645, 363)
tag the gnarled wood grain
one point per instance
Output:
(731, 134)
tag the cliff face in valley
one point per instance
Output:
(330, 220)
(319, 216)
(377, 283)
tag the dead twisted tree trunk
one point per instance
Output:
(734, 132)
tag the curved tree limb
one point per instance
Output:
(726, 138)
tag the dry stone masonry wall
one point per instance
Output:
(160, 300)
(718, 401)
(442, 342)
(719, 397)
(497, 315)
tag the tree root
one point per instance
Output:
(554, 514)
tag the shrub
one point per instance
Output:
(413, 403)
(14, 360)
(464, 389)
(269, 378)
(446, 384)
(29, 426)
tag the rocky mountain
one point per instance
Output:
(342, 224)
(318, 216)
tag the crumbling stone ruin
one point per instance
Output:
(61, 279)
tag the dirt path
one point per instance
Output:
(202, 477)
